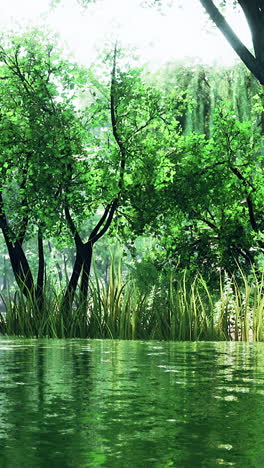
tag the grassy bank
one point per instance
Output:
(168, 310)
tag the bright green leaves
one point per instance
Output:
(208, 200)
(40, 130)
(194, 193)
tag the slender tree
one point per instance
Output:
(136, 121)
(38, 136)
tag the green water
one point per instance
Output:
(117, 404)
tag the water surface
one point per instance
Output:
(118, 404)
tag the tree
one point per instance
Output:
(208, 197)
(130, 132)
(38, 136)
(254, 13)
(208, 86)
(61, 166)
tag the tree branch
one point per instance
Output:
(99, 224)
(108, 222)
(114, 121)
(254, 13)
(72, 227)
(249, 201)
(209, 223)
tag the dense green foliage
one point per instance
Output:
(83, 154)
(207, 209)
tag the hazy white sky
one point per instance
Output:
(176, 34)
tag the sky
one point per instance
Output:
(176, 34)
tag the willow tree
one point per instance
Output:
(208, 86)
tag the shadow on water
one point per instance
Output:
(115, 404)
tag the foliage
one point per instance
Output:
(61, 166)
(124, 163)
(39, 132)
(216, 220)
(208, 86)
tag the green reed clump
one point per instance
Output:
(168, 307)
(176, 308)
(239, 311)
(43, 316)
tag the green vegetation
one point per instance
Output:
(168, 308)
(86, 153)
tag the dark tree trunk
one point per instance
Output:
(84, 250)
(87, 260)
(5, 275)
(81, 271)
(72, 285)
(20, 267)
(17, 256)
(254, 15)
(41, 271)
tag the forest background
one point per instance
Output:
(154, 178)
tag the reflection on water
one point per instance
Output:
(116, 404)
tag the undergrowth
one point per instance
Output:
(170, 309)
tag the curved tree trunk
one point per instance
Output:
(19, 263)
(255, 16)
(72, 285)
(20, 267)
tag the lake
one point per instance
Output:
(130, 404)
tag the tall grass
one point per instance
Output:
(172, 308)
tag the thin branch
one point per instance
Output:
(209, 223)
(241, 177)
(108, 222)
(99, 224)
(249, 201)
(114, 121)
(251, 213)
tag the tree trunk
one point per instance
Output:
(41, 272)
(254, 64)
(87, 260)
(17, 256)
(72, 285)
(20, 267)
(254, 13)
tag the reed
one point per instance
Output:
(173, 308)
